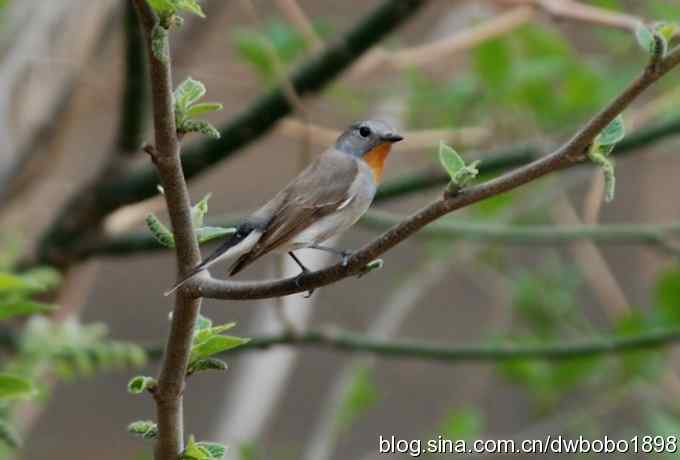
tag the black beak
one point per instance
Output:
(392, 137)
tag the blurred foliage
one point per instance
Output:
(465, 423)
(46, 347)
(546, 305)
(360, 395)
(547, 310)
(531, 74)
(277, 41)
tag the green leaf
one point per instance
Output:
(467, 174)
(140, 384)
(160, 232)
(215, 344)
(162, 7)
(23, 307)
(216, 450)
(205, 234)
(373, 265)
(204, 334)
(144, 428)
(191, 6)
(252, 47)
(645, 37)
(460, 173)
(465, 423)
(201, 127)
(194, 451)
(667, 295)
(203, 322)
(600, 150)
(11, 282)
(360, 395)
(188, 92)
(450, 159)
(203, 108)
(613, 133)
(199, 211)
(493, 62)
(208, 364)
(14, 387)
(667, 30)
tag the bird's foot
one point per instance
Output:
(345, 255)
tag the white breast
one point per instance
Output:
(360, 194)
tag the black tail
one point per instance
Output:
(191, 274)
(242, 231)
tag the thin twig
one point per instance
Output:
(417, 349)
(413, 140)
(580, 12)
(442, 49)
(570, 153)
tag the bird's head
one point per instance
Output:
(369, 140)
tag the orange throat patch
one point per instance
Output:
(376, 160)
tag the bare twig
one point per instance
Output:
(569, 154)
(171, 381)
(441, 49)
(577, 11)
(341, 340)
(413, 140)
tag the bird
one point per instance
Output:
(322, 201)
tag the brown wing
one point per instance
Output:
(316, 192)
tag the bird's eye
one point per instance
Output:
(365, 131)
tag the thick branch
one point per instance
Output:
(570, 153)
(166, 156)
(134, 110)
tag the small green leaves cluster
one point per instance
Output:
(460, 173)
(600, 150)
(168, 14)
(208, 341)
(140, 384)
(17, 290)
(203, 450)
(267, 48)
(74, 349)
(654, 39)
(204, 233)
(145, 429)
(187, 107)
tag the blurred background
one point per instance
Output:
(487, 77)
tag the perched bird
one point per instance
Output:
(324, 200)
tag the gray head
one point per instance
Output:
(363, 136)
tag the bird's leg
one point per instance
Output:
(302, 273)
(342, 253)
